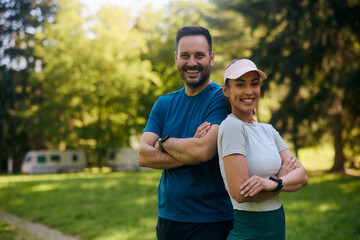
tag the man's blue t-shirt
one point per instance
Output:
(191, 193)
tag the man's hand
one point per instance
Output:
(157, 145)
(290, 164)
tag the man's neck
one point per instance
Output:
(195, 91)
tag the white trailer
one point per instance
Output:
(53, 161)
(123, 159)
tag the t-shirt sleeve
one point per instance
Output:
(232, 138)
(280, 144)
(154, 121)
(218, 108)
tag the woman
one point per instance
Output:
(256, 165)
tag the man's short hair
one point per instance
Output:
(194, 30)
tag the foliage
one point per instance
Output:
(93, 79)
(19, 20)
(123, 205)
(313, 48)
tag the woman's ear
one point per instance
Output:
(225, 91)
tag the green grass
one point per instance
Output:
(123, 205)
(328, 208)
(317, 159)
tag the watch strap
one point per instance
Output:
(279, 182)
(161, 140)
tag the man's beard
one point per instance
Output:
(203, 79)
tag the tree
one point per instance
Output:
(313, 47)
(19, 20)
(93, 78)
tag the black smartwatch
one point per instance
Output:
(279, 182)
(161, 140)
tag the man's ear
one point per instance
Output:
(175, 57)
(212, 59)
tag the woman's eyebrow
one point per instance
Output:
(242, 80)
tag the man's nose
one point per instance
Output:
(192, 61)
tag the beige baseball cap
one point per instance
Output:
(239, 68)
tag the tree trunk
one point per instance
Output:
(338, 144)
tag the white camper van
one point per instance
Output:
(123, 159)
(53, 161)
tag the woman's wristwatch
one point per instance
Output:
(161, 140)
(279, 182)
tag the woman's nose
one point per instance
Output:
(248, 89)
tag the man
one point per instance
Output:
(180, 137)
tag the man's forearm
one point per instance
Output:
(151, 157)
(193, 150)
(189, 150)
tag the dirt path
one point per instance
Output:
(38, 229)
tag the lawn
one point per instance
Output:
(123, 205)
(120, 205)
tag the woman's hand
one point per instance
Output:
(256, 184)
(290, 164)
(202, 130)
